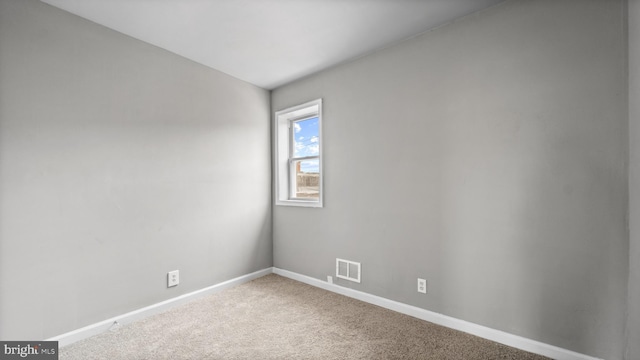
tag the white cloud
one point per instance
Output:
(314, 149)
(314, 139)
(297, 127)
(310, 166)
(301, 138)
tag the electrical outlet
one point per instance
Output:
(330, 279)
(173, 278)
(422, 286)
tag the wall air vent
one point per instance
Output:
(348, 270)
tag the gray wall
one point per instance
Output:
(633, 335)
(119, 162)
(495, 153)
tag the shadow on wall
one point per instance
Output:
(526, 223)
(572, 223)
(3, 249)
(263, 244)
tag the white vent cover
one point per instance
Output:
(348, 270)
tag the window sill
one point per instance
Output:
(299, 203)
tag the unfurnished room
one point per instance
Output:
(320, 179)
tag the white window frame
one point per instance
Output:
(284, 154)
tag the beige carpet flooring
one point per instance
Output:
(277, 318)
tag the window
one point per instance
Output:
(298, 152)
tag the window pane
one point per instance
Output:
(305, 138)
(307, 178)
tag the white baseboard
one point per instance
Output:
(502, 337)
(102, 326)
(498, 336)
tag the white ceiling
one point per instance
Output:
(271, 42)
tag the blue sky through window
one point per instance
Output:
(306, 143)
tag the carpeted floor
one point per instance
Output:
(277, 318)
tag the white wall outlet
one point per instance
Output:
(330, 279)
(422, 286)
(173, 278)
